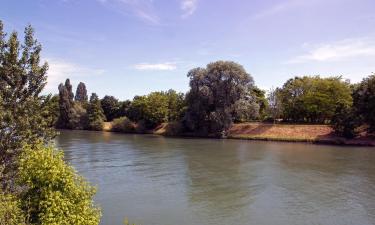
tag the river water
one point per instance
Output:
(154, 180)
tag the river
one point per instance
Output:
(154, 180)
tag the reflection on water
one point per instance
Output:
(168, 181)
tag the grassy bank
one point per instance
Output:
(319, 134)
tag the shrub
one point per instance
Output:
(55, 193)
(123, 124)
(10, 211)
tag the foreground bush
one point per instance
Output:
(55, 194)
(10, 211)
(123, 124)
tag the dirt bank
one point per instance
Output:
(322, 134)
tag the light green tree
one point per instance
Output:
(56, 195)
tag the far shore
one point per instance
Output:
(317, 134)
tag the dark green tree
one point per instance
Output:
(95, 113)
(110, 107)
(73, 115)
(216, 92)
(364, 101)
(22, 78)
(52, 112)
(81, 93)
(345, 121)
(66, 104)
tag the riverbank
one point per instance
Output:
(318, 134)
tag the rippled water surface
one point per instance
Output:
(155, 180)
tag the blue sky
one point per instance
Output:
(132, 47)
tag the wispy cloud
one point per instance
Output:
(188, 7)
(142, 9)
(337, 51)
(155, 66)
(60, 69)
(283, 6)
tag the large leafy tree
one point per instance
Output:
(216, 93)
(22, 78)
(151, 109)
(314, 99)
(157, 107)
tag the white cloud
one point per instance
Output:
(337, 51)
(189, 7)
(157, 66)
(60, 69)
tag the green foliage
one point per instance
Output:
(157, 107)
(56, 195)
(81, 93)
(218, 94)
(110, 107)
(95, 113)
(313, 99)
(52, 110)
(364, 101)
(10, 211)
(176, 105)
(78, 117)
(66, 104)
(261, 100)
(274, 109)
(22, 78)
(73, 114)
(123, 124)
(345, 121)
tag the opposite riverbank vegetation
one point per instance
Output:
(222, 98)
(318, 134)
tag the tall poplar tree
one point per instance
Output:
(81, 93)
(22, 78)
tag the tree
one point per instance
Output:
(52, 112)
(95, 113)
(22, 78)
(313, 99)
(110, 107)
(151, 109)
(65, 104)
(364, 101)
(261, 101)
(214, 93)
(345, 121)
(81, 93)
(176, 105)
(274, 104)
(73, 115)
(123, 110)
(37, 187)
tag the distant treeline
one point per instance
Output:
(219, 95)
